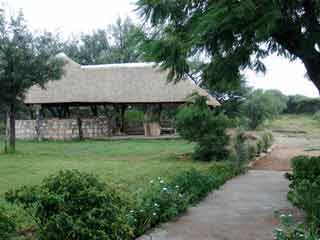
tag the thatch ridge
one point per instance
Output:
(114, 83)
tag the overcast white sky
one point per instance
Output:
(74, 16)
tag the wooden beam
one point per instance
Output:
(79, 123)
(38, 122)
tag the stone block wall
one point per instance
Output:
(63, 129)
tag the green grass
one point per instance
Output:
(125, 163)
(295, 124)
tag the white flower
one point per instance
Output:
(161, 181)
(156, 205)
(164, 189)
(154, 214)
(177, 186)
(151, 181)
(131, 211)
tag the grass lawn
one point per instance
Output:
(295, 124)
(126, 163)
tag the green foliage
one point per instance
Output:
(241, 147)
(301, 104)
(305, 187)
(165, 200)
(26, 60)
(234, 34)
(7, 225)
(289, 230)
(160, 203)
(262, 105)
(197, 123)
(267, 140)
(72, 205)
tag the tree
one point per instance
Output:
(91, 48)
(119, 43)
(197, 123)
(233, 35)
(25, 60)
(126, 38)
(261, 105)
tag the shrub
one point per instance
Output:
(195, 185)
(261, 106)
(74, 205)
(259, 146)
(165, 200)
(305, 187)
(304, 168)
(289, 230)
(7, 225)
(253, 151)
(160, 203)
(302, 104)
(267, 139)
(241, 155)
(197, 123)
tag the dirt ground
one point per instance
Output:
(285, 148)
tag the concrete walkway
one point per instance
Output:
(243, 209)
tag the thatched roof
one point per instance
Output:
(114, 83)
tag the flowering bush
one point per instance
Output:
(74, 205)
(161, 203)
(165, 200)
(291, 231)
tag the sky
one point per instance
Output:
(75, 16)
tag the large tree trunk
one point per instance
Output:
(313, 69)
(11, 129)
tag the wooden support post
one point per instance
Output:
(38, 122)
(95, 111)
(122, 118)
(109, 119)
(79, 123)
(68, 114)
(151, 121)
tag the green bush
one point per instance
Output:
(207, 128)
(304, 168)
(160, 203)
(289, 230)
(73, 205)
(262, 105)
(195, 185)
(165, 200)
(305, 187)
(253, 151)
(7, 225)
(301, 104)
(267, 140)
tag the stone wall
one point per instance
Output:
(63, 129)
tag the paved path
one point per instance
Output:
(243, 209)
